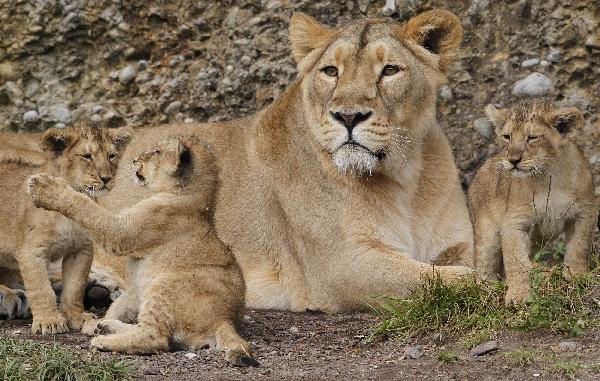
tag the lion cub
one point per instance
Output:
(86, 155)
(539, 186)
(186, 287)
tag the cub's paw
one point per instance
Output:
(50, 324)
(14, 304)
(44, 189)
(517, 295)
(76, 319)
(453, 272)
(110, 326)
(240, 358)
(102, 288)
(102, 343)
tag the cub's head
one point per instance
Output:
(370, 88)
(86, 154)
(531, 134)
(177, 165)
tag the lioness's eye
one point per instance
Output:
(86, 156)
(331, 71)
(532, 138)
(506, 137)
(390, 70)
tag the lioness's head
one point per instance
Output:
(176, 165)
(531, 134)
(369, 86)
(86, 154)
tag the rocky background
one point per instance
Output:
(158, 61)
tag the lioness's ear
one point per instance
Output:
(306, 35)
(496, 115)
(565, 120)
(180, 156)
(121, 136)
(57, 140)
(439, 32)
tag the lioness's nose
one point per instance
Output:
(351, 120)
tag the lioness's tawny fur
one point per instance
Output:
(539, 186)
(86, 155)
(186, 287)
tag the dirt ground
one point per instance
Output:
(315, 346)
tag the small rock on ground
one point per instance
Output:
(567, 346)
(484, 348)
(535, 84)
(414, 352)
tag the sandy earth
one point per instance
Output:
(314, 346)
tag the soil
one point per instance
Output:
(315, 346)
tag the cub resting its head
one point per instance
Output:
(186, 289)
(538, 187)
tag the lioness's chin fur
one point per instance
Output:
(538, 187)
(316, 226)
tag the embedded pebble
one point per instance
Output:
(567, 346)
(190, 355)
(535, 84)
(554, 55)
(414, 352)
(530, 62)
(484, 127)
(173, 108)
(294, 330)
(127, 74)
(446, 93)
(31, 116)
(484, 348)
(61, 113)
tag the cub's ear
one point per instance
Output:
(307, 34)
(438, 32)
(120, 136)
(57, 140)
(180, 156)
(566, 121)
(497, 116)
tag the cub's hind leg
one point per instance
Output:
(136, 339)
(237, 350)
(76, 268)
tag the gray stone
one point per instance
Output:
(478, 7)
(544, 63)
(567, 346)
(593, 42)
(389, 8)
(127, 74)
(446, 93)
(484, 348)
(60, 125)
(173, 108)
(294, 330)
(530, 62)
(554, 55)
(31, 116)
(97, 109)
(535, 84)
(484, 127)
(60, 113)
(414, 352)
(142, 65)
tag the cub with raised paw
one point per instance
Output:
(536, 188)
(187, 290)
(86, 156)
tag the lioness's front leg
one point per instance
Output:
(579, 239)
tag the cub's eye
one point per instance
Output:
(112, 157)
(532, 138)
(389, 70)
(86, 156)
(506, 137)
(156, 152)
(331, 71)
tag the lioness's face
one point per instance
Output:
(531, 134)
(369, 85)
(87, 155)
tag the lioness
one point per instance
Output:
(539, 186)
(86, 156)
(344, 188)
(186, 287)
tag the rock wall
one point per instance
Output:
(158, 61)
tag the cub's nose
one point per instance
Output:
(105, 179)
(351, 120)
(515, 162)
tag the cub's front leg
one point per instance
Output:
(48, 192)
(579, 239)
(516, 246)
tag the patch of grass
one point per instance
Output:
(568, 367)
(448, 357)
(521, 357)
(476, 308)
(27, 360)
(553, 255)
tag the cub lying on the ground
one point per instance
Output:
(86, 155)
(186, 287)
(539, 186)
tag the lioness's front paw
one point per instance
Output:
(50, 324)
(516, 295)
(44, 189)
